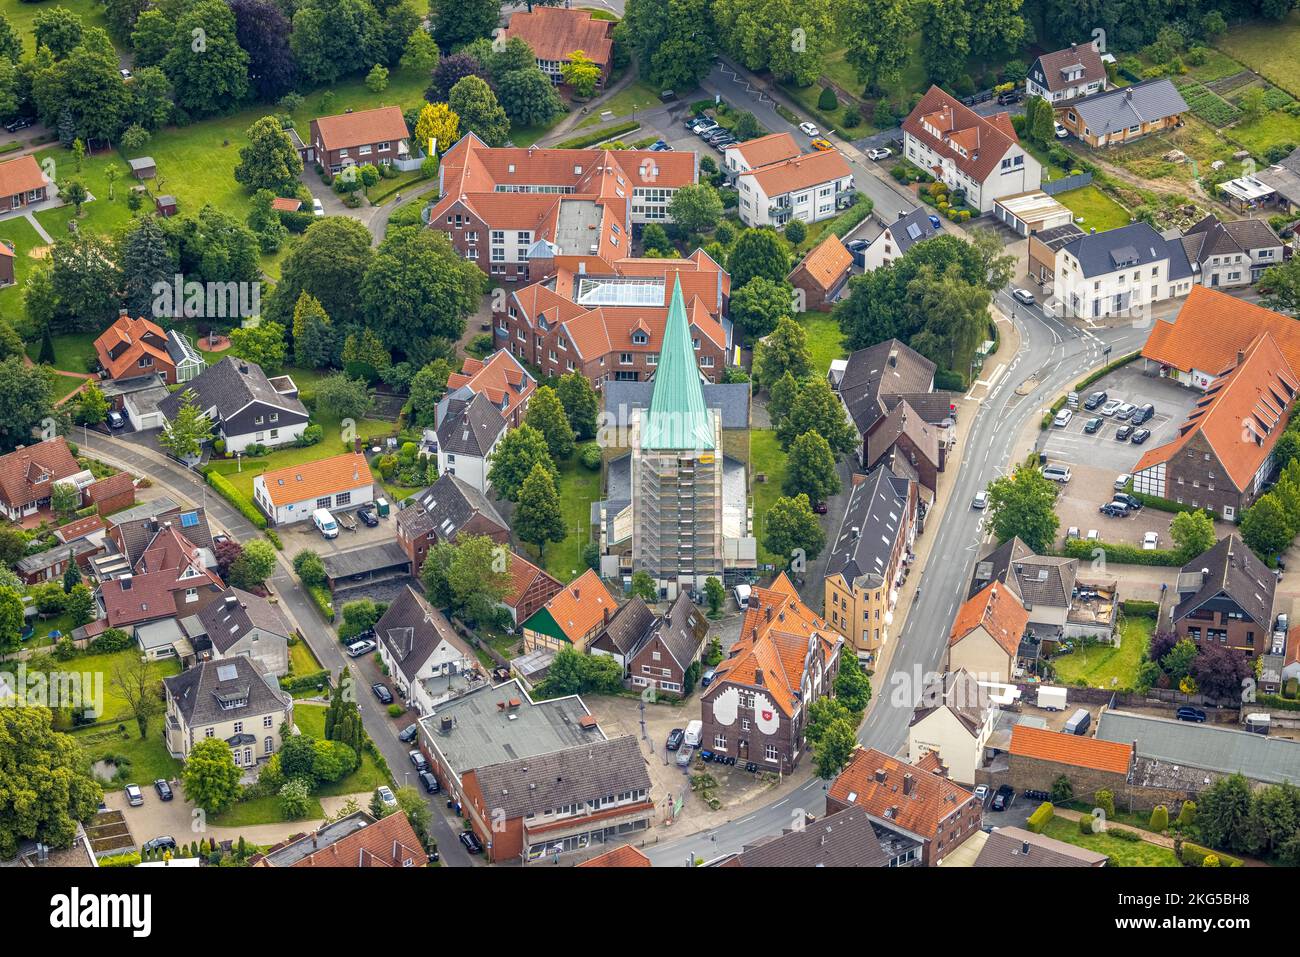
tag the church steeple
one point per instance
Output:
(677, 419)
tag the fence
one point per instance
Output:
(1066, 183)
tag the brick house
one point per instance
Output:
(786, 658)
(445, 510)
(1121, 116)
(908, 801)
(28, 473)
(607, 320)
(655, 650)
(555, 33)
(1225, 596)
(1209, 465)
(572, 617)
(376, 136)
(823, 274)
(22, 183)
(504, 208)
(501, 377)
(138, 347)
(357, 840)
(1039, 757)
(530, 588)
(170, 578)
(110, 494)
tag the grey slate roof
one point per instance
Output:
(844, 839)
(887, 368)
(444, 508)
(959, 692)
(228, 386)
(877, 508)
(681, 628)
(470, 428)
(381, 556)
(31, 564)
(1050, 68)
(1117, 110)
(912, 228)
(139, 526)
(1232, 569)
(1016, 847)
(200, 690)
(1207, 746)
(730, 398)
(1128, 247)
(234, 613)
(1283, 177)
(626, 628)
(575, 775)
(412, 629)
(1036, 580)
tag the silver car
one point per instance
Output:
(1111, 407)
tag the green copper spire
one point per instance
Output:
(678, 419)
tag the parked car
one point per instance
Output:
(880, 153)
(822, 145)
(418, 759)
(1122, 480)
(1009, 97)
(386, 795)
(1072, 533)
(981, 499)
(367, 516)
(1125, 411)
(704, 129)
(21, 123)
(1140, 436)
(708, 678)
(1057, 473)
(359, 648)
(1003, 797)
(1092, 425)
(134, 796)
(1023, 296)
(164, 842)
(1110, 407)
(820, 508)
(471, 842)
(809, 129)
(934, 221)
(1114, 509)
(125, 73)
(1143, 413)
(1063, 418)
(723, 142)
(1129, 501)
(1061, 131)
(1123, 432)
(982, 794)
(431, 785)
(1150, 542)
(409, 733)
(675, 737)
(1188, 713)
(116, 420)
(316, 208)
(382, 693)
(164, 789)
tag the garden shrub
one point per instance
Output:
(827, 100)
(1039, 819)
(1159, 818)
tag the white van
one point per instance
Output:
(693, 732)
(325, 523)
(742, 596)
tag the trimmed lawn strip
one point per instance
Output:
(1122, 853)
(766, 458)
(22, 16)
(263, 810)
(578, 488)
(24, 237)
(1098, 664)
(825, 340)
(70, 350)
(301, 659)
(1094, 208)
(310, 719)
(115, 706)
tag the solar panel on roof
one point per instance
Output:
(189, 519)
(913, 230)
(227, 672)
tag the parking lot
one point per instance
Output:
(1095, 460)
(305, 535)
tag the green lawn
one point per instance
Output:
(1274, 128)
(70, 351)
(1269, 49)
(1105, 666)
(1094, 209)
(1122, 853)
(21, 15)
(115, 706)
(637, 95)
(310, 719)
(140, 760)
(263, 810)
(767, 458)
(64, 384)
(301, 659)
(24, 238)
(825, 341)
(578, 488)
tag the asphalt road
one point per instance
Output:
(185, 486)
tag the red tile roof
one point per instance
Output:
(522, 575)
(116, 484)
(1251, 398)
(363, 127)
(554, 33)
(126, 341)
(625, 856)
(388, 842)
(944, 125)
(286, 204)
(580, 605)
(767, 149)
(298, 483)
(998, 611)
(1212, 326)
(800, 172)
(20, 176)
(827, 262)
(502, 379)
(1072, 749)
(26, 474)
(933, 798)
(79, 528)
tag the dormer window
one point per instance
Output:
(640, 338)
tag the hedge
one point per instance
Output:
(1039, 819)
(1122, 554)
(1193, 855)
(1168, 505)
(590, 139)
(1137, 608)
(322, 599)
(847, 221)
(221, 485)
(1277, 701)
(129, 859)
(305, 682)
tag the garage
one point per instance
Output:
(1031, 212)
(141, 408)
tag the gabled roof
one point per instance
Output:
(412, 630)
(997, 610)
(1016, 847)
(579, 605)
(975, 144)
(625, 856)
(445, 507)
(502, 378)
(1212, 326)
(1127, 247)
(1037, 580)
(874, 519)
(554, 33)
(298, 483)
(902, 420)
(912, 228)
(136, 527)
(21, 175)
(887, 368)
(960, 693)
(826, 263)
(1075, 750)
(523, 574)
(764, 150)
(1251, 398)
(235, 613)
(229, 386)
(576, 775)
(627, 628)
(1147, 102)
(800, 172)
(363, 127)
(121, 346)
(28, 472)
(470, 427)
(388, 842)
(1050, 69)
(844, 839)
(1229, 568)
(876, 782)
(681, 629)
(775, 639)
(677, 418)
(226, 690)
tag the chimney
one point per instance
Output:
(315, 839)
(122, 313)
(758, 677)
(767, 613)
(1024, 848)
(1074, 48)
(606, 614)
(1128, 94)
(1241, 357)
(908, 783)
(881, 775)
(893, 357)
